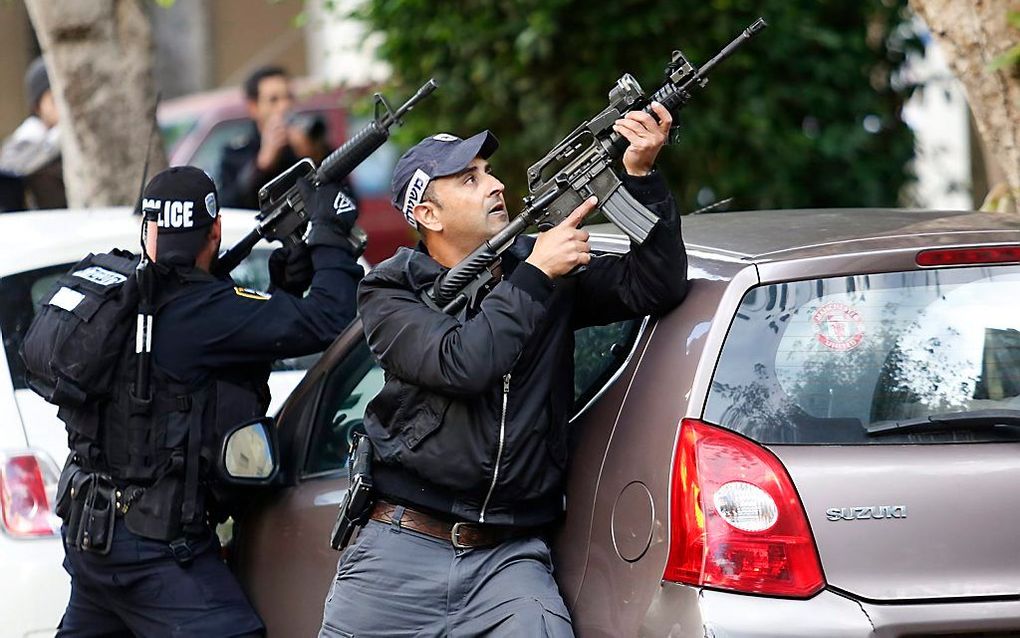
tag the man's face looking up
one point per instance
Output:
(469, 205)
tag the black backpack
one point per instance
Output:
(73, 346)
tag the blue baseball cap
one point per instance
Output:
(437, 156)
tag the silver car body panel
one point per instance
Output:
(613, 596)
(960, 539)
(683, 612)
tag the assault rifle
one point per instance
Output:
(584, 164)
(282, 215)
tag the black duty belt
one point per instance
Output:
(462, 535)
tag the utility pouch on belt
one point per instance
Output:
(72, 488)
(95, 530)
(86, 502)
(72, 346)
(156, 514)
(357, 504)
(69, 486)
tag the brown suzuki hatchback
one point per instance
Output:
(823, 440)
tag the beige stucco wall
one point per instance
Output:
(250, 33)
(15, 52)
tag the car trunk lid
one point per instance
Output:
(912, 522)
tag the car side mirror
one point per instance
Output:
(249, 456)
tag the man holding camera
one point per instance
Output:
(276, 141)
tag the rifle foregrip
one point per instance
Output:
(354, 151)
(629, 215)
(671, 97)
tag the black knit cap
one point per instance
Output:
(183, 202)
(36, 82)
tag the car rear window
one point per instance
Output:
(818, 361)
(209, 154)
(372, 177)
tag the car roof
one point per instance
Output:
(230, 101)
(36, 239)
(766, 235)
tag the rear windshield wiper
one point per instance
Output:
(968, 420)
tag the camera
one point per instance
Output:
(312, 125)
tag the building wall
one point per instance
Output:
(16, 51)
(939, 116)
(246, 34)
(338, 51)
(181, 33)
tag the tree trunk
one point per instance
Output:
(99, 58)
(972, 33)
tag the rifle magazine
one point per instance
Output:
(629, 215)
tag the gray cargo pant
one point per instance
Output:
(397, 582)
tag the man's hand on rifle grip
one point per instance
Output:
(646, 137)
(291, 269)
(564, 247)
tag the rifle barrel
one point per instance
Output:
(422, 93)
(754, 29)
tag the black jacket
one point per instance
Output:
(212, 326)
(438, 424)
(240, 178)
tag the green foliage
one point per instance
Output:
(781, 124)
(1011, 58)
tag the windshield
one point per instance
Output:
(173, 132)
(819, 361)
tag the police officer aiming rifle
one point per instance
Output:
(139, 494)
(474, 331)
(469, 430)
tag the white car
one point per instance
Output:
(35, 248)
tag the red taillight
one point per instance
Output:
(25, 504)
(736, 522)
(963, 256)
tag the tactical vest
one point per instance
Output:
(154, 455)
(159, 454)
(162, 459)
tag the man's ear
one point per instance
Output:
(151, 232)
(253, 108)
(216, 231)
(427, 216)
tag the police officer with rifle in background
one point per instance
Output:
(156, 361)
